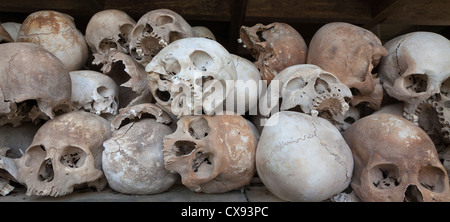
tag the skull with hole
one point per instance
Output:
(307, 88)
(213, 154)
(65, 154)
(57, 33)
(133, 159)
(155, 30)
(275, 47)
(416, 67)
(351, 53)
(34, 84)
(191, 75)
(109, 29)
(303, 158)
(395, 160)
(128, 75)
(94, 92)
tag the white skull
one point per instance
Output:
(190, 75)
(417, 65)
(109, 29)
(311, 90)
(133, 159)
(303, 158)
(94, 92)
(213, 154)
(154, 31)
(65, 154)
(57, 33)
(202, 31)
(246, 92)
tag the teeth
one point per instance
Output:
(244, 46)
(239, 40)
(411, 117)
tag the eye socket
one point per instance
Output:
(416, 83)
(201, 60)
(199, 128)
(432, 178)
(384, 176)
(35, 156)
(445, 88)
(73, 157)
(296, 83)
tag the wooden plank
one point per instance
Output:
(382, 13)
(238, 10)
(216, 10)
(307, 11)
(29, 6)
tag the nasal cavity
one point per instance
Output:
(46, 172)
(184, 147)
(413, 194)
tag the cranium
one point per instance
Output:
(133, 160)
(57, 33)
(213, 154)
(204, 32)
(311, 90)
(190, 76)
(109, 29)
(34, 84)
(395, 160)
(94, 92)
(303, 158)
(154, 31)
(129, 75)
(416, 67)
(65, 154)
(275, 47)
(350, 52)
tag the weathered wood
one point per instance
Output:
(237, 20)
(382, 10)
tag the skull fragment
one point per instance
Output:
(395, 160)
(213, 154)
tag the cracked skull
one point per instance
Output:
(65, 154)
(213, 154)
(303, 158)
(416, 67)
(350, 52)
(275, 47)
(395, 160)
(311, 90)
(190, 76)
(154, 31)
(57, 33)
(94, 92)
(109, 29)
(34, 84)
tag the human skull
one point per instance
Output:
(94, 92)
(350, 52)
(204, 32)
(303, 158)
(129, 75)
(307, 88)
(155, 30)
(57, 33)
(213, 154)
(109, 29)
(191, 75)
(65, 154)
(395, 160)
(5, 37)
(246, 92)
(34, 84)
(417, 65)
(12, 28)
(275, 47)
(133, 159)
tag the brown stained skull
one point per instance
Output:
(155, 30)
(395, 160)
(34, 84)
(109, 29)
(213, 154)
(65, 154)
(275, 47)
(350, 52)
